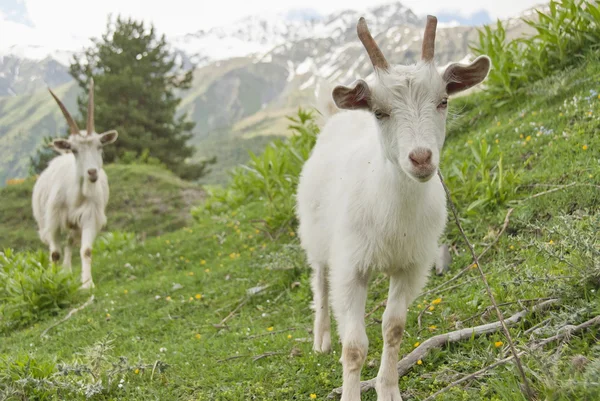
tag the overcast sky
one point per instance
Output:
(72, 20)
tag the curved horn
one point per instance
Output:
(73, 129)
(368, 42)
(90, 111)
(429, 39)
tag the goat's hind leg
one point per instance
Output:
(322, 324)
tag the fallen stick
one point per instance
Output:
(566, 332)
(530, 395)
(222, 324)
(440, 340)
(71, 313)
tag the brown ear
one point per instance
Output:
(358, 97)
(61, 145)
(108, 137)
(460, 77)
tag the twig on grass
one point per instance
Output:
(71, 313)
(528, 391)
(222, 323)
(271, 333)
(470, 266)
(566, 332)
(454, 336)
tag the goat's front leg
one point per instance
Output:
(394, 320)
(349, 295)
(88, 235)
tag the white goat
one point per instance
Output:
(71, 194)
(369, 199)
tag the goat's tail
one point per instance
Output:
(325, 104)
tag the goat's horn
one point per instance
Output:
(368, 42)
(90, 111)
(429, 39)
(73, 129)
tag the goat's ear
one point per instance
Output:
(459, 77)
(358, 97)
(61, 145)
(108, 137)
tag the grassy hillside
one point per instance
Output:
(220, 309)
(143, 199)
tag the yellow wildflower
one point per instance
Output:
(108, 315)
(168, 298)
(289, 336)
(512, 247)
(198, 336)
(561, 114)
(521, 136)
(497, 141)
(584, 147)
(432, 327)
(198, 296)
(550, 242)
(470, 142)
(292, 234)
(203, 262)
(257, 231)
(528, 138)
(419, 362)
(181, 258)
(417, 344)
(250, 236)
(419, 306)
(191, 299)
(208, 270)
(187, 261)
(190, 273)
(436, 301)
(270, 328)
(590, 113)
(313, 396)
(167, 242)
(136, 371)
(125, 291)
(237, 231)
(498, 344)
(232, 255)
(498, 123)
(252, 249)
(431, 308)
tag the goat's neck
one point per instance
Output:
(86, 189)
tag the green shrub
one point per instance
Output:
(563, 34)
(482, 179)
(31, 287)
(270, 178)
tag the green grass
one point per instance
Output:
(146, 296)
(143, 199)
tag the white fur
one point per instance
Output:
(363, 207)
(66, 201)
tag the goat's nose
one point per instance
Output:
(92, 172)
(420, 157)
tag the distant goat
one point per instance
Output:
(71, 194)
(369, 199)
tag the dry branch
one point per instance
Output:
(222, 324)
(566, 331)
(440, 340)
(528, 391)
(71, 313)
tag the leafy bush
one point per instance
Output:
(563, 34)
(482, 179)
(94, 374)
(271, 177)
(31, 287)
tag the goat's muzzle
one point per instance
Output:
(422, 167)
(93, 174)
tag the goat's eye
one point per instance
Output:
(380, 114)
(443, 104)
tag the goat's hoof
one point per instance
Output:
(55, 256)
(88, 285)
(322, 344)
(389, 393)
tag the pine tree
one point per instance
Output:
(136, 77)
